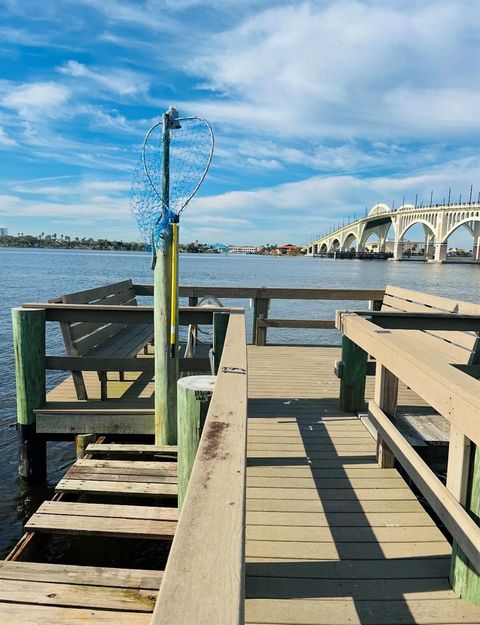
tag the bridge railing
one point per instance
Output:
(263, 296)
(454, 392)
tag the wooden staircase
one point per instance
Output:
(37, 593)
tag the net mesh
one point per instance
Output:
(191, 149)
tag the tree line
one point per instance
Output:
(88, 243)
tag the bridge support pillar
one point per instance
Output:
(476, 242)
(429, 250)
(398, 250)
(440, 252)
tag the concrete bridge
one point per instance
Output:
(439, 223)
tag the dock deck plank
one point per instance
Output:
(332, 538)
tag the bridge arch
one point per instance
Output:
(426, 224)
(347, 242)
(464, 222)
(335, 245)
(379, 209)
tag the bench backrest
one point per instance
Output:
(459, 347)
(80, 337)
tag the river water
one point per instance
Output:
(38, 275)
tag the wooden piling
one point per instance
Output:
(386, 397)
(260, 311)
(352, 382)
(166, 367)
(29, 347)
(81, 442)
(220, 323)
(464, 578)
(194, 394)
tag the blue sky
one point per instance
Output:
(319, 108)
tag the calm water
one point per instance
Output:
(38, 275)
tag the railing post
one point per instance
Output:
(29, 346)
(386, 397)
(193, 399)
(354, 374)
(260, 310)
(220, 323)
(464, 578)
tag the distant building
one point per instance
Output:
(220, 247)
(242, 249)
(3, 232)
(288, 248)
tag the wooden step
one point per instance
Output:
(120, 477)
(66, 517)
(130, 449)
(33, 592)
(122, 468)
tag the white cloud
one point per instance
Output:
(346, 69)
(119, 81)
(31, 100)
(5, 140)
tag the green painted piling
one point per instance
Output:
(166, 367)
(352, 382)
(464, 578)
(193, 397)
(29, 347)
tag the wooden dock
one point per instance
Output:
(305, 521)
(331, 537)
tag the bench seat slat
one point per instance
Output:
(124, 344)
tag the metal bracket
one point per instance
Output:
(234, 370)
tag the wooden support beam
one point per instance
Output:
(29, 347)
(352, 384)
(193, 396)
(385, 396)
(464, 574)
(260, 312)
(220, 324)
(81, 442)
(328, 324)
(458, 522)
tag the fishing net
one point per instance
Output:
(190, 153)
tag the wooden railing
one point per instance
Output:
(204, 578)
(122, 315)
(262, 296)
(453, 394)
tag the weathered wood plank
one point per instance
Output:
(116, 511)
(76, 595)
(49, 615)
(116, 488)
(128, 448)
(101, 526)
(84, 575)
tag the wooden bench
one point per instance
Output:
(103, 340)
(420, 423)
